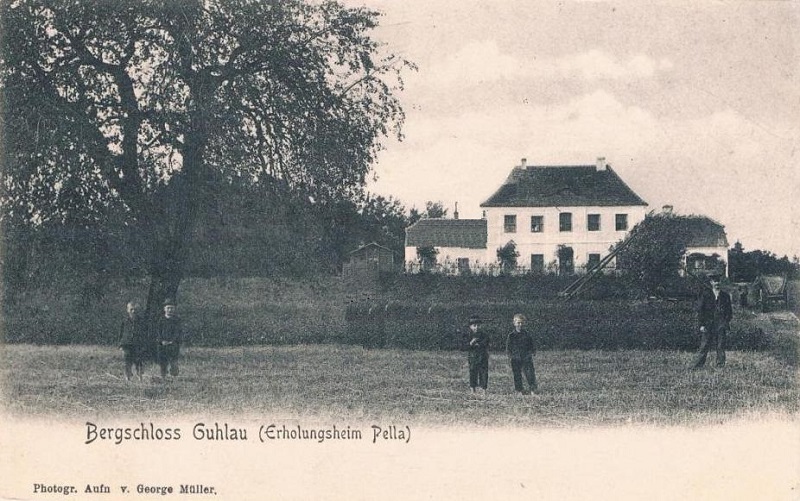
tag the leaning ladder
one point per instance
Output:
(575, 287)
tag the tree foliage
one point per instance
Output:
(653, 255)
(426, 255)
(746, 266)
(433, 210)
(507, 256)
(144, 108)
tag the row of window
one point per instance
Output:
(564, 222)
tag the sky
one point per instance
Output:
(694, 106)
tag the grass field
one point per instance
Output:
(351, 383)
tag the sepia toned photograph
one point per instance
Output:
(372, 249)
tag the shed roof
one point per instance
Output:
(465, 233)
(371, 244)
(702, 231)
(563, 186)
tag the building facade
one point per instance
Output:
(706, 246)
(459, 244)
(561, 219)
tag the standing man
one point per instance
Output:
(714, 314)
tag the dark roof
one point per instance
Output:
(563, 186)
(372, 244)
(702, 231)
(468, 233)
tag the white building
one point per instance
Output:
(561, 218)
(460, 244)
(706, 245)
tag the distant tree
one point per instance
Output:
(384, 222)
(746, 266)
(427, 257)
(144, 107)
(507, 256)
(740, 268)
(433, 210)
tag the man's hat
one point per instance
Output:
(475, 320)
(169, 302)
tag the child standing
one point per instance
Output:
(521, 348)
(133, 341)
(168, 337)
(476, 342)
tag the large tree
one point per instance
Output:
(144, 107)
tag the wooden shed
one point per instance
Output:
(373, 256)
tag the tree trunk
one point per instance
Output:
(169, 253)
(171, 234)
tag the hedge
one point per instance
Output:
(555, 323)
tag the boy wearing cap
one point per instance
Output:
(476, 342)
(168, 338)
(520, 348)
(133, 341)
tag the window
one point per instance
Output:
(565, 221)
(537, 224)
(510, 223)
(593, 222)
(594, 260)
(537, 263)
(621, 221)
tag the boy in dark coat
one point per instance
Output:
(476, 342)
(520, 348)
(714, 313)
(133, 341)
(168, 338)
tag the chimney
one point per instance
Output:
(523, 163)
(667, 209)
(455, 212)
(601, 163)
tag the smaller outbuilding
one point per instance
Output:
(373, 256)
(706, 245)
(458, 241)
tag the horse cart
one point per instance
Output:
(771, 289)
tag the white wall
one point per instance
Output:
(582, 241)
(451, 254)
(722, 252)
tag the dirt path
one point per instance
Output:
(784, 320)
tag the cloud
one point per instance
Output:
(482, 62)
(597, 65)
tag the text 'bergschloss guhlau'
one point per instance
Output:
(265, 433)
